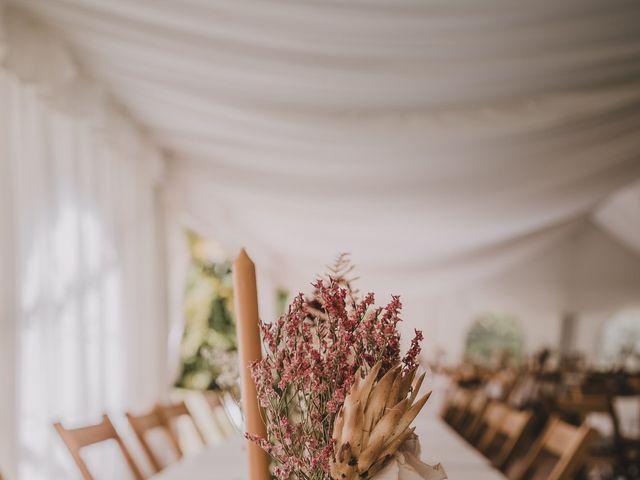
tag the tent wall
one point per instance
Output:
(587, 274)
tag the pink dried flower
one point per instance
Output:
(311, 356)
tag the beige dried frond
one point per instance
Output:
(342, 272)
(374, 422)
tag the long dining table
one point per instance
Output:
(440, 444)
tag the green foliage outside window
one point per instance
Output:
(209, 344)
(494, 339)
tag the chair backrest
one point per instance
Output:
(509, 432)
(626, 413)
(568, 444)
(582, 405)
(78, 438)
(488, 426)
(449, 402)
(212, 421)
(458, 407)
(143, 424)
(474, 414)
(174, 411)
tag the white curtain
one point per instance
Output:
(83, 321)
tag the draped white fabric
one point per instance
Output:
(83, 328)
(438, 142)
(620, 215)
(431, 139)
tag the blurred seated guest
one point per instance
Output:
(539, 360)
(540, 383)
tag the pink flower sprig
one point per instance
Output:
(311, 357)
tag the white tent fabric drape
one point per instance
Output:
(424, 137)
(83, 324)
(620, 216)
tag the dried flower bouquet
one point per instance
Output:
(313, 356)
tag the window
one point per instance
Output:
(209, 344)
(620, 347)
(494, 339)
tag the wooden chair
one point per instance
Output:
(473, 416)
(463, 417)
(579, 406)
(78, 438)
(488, 426)
(153, 420)
(456, 407)
(566, 444)
(626, 420)
(171, 413)
(502, 440)
(626, 417)
(448, 403)
(218, 413)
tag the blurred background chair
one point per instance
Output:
(473, 415)
(505, 438)
(626, 420)
(178, 419)
(78, 438)
(154, 421)
(489, 425)
(557, 454)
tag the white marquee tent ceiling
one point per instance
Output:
(437, 141)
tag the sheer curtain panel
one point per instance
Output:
(83, 328)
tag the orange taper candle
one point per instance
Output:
(246, 302)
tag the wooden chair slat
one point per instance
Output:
(475, 414)
(142, 424)
(512, 427)
(177, 410)
(566, 442)
(494, 414)
(560, 438)
(78, 438)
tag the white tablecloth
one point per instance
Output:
(439, 444)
